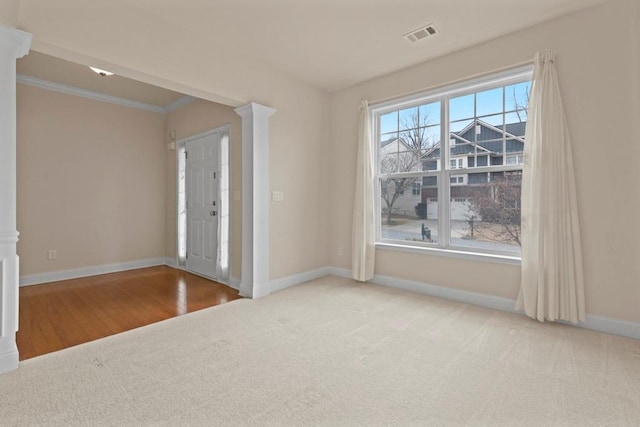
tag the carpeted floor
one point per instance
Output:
(334, 352)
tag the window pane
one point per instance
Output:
(386, 142)
(409, 118)
(514, 146)
(430, 114)
(431, 136)
(461, 107)
(517, 96)
(485, 212)
(460, 126)
(389, 122)
(459, 153)
(496, 120)
(516, 123)
(489, 102)
(389, 163)
(409, 209)
(410, 161)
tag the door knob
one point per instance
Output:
(212, 213)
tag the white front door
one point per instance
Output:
(202, 200)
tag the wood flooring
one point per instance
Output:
(62, 314)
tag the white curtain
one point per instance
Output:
(363, 255)
(552, 285)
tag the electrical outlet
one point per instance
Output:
(52, 254)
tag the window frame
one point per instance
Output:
(443, 95)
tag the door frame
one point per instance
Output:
(179, 204)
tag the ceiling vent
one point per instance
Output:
(421, 33)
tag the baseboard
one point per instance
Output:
(612, 326)
(596, 323)
(171, 262)
(296, 279)
(55, 276)
(234, 283)
(9, 361)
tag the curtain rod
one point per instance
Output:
(453, 82)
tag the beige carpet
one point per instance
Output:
(335, 352)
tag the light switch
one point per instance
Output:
(277, 196)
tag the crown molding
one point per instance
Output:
(97, 96)
(179, 103)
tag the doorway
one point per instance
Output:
(203, 203)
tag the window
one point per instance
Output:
(515, 159)
(477, 131)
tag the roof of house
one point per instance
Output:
(489, 140)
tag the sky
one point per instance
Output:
(495, 106)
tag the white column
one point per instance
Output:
(255, 199)
(14, 44)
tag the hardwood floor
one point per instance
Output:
(57, 315)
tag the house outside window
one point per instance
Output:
(477, 130)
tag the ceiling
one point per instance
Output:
(56, 70)
(333, 44)
(330, 44)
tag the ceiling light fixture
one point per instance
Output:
(103, 73)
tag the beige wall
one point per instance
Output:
(197, 117)
(177, 57)
(598, 70)
(9, 10)
(91, 182)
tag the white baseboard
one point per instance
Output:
(9, 361)
(55, 276)
(296, 279)
(171, 262)
(596, 323)
(234, 283)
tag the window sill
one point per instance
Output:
(451, 253)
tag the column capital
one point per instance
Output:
(15, 39)
(255, 109)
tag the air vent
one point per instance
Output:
(421, 33)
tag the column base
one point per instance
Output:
(9, 361)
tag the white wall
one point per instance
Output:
(598, 69)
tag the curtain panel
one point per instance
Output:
(363, 238)
(552, 285)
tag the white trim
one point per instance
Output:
(234, 283)
(171, 262)
(596, 323)
(55, 276)
(179, 103)
(9, 236)
(9, 361)
(296, 279)
(451, 253)
(459, 88)
(84, 93)
(97, 96)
